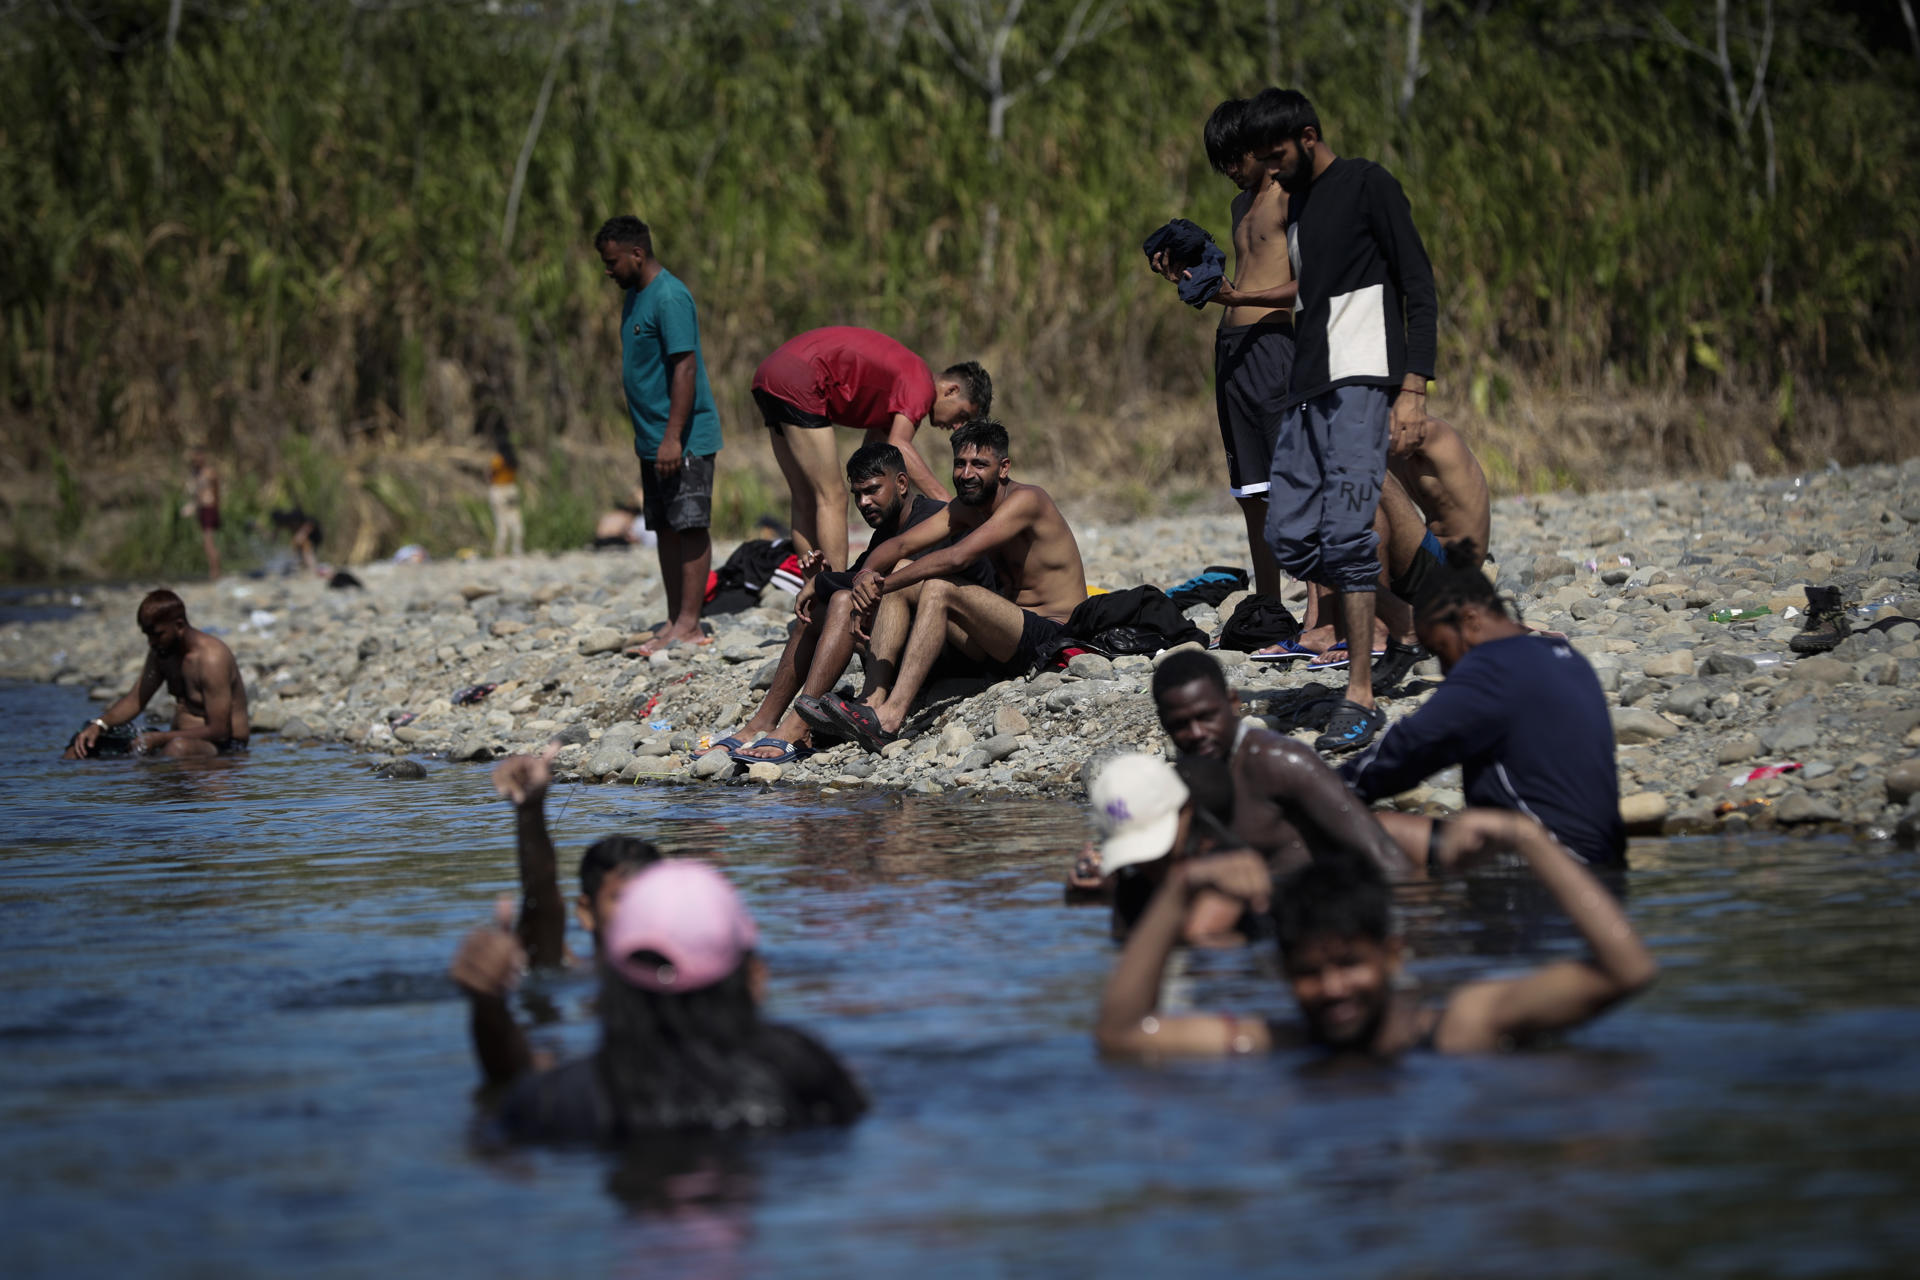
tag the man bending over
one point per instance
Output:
(210, 699)
(1020, 532)
(865, 380)
(1343, 960)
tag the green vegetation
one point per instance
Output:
(316, 234)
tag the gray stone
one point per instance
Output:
(654, 747)
(1643, 812)
(1903, 781)
(763, 771)
(601, 640)
(763, 678)
(295, 727)
(1090, 666)
(1730, 664)
(470, 746)
(1821, 671)
(1737, 748)
(714, 764)
(1677, 663)
(1634, 724)
(649, 766)
(1694, 701)
(1010, 720)
(1800, 807)
(955, 739)
(1000, 746)
(1787, 738)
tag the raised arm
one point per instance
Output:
(1489, 1015)
(486, 967)
(542, 930)
(900, 436)
(1127, 1022)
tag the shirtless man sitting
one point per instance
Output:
(210, 699)
(1036, 561)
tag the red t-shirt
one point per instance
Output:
(851, 376)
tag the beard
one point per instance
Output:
(974, 497)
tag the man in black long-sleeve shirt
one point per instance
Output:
(1364, 318)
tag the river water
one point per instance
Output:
(228, 1048)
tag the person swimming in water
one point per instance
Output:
(1150, 815)
(684, 1046)
(1343, 960)
(210, 698)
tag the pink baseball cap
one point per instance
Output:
(686, 914)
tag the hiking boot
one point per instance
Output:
(1827, 622)
(1350, 728)
(1395, 665)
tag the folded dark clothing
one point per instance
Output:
(1185, 243)
(1190, 248)
(1209, 587)
(1258, 622)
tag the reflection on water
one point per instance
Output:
(228, 1047)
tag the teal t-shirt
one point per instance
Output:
(656, 322)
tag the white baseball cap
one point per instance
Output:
(1136, 801)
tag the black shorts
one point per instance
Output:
(1252, 364)
(682, 503)
(779, 413)
(1429, 558)
(1037, 637)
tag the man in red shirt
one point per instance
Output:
(855, 378)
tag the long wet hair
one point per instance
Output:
(1459, 584)
(706, 1059)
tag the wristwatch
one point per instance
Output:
(104, 726)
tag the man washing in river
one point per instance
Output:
(210, 699)
(1020, 532)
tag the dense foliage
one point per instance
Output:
(352, 220)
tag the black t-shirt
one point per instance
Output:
(570, 1103)
(978, 572)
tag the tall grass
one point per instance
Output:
(284, 240)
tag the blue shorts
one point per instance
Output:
(1328, 467)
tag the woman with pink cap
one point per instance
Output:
(683, 1045)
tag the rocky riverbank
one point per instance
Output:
(1632, 576)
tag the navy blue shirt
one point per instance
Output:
(1526, 721)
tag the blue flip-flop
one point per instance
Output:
(728, 744)
(1285, 651)
(788, 752)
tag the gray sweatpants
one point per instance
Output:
(1327, 471)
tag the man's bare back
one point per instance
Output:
(1446, 483)
(1287, 802)
(1260, 256)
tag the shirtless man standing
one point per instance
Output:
(205, 483)
(1253, 350)
(210, 699)
(1019, 531)
(1287, 801)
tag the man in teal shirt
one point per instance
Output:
(676, 429)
